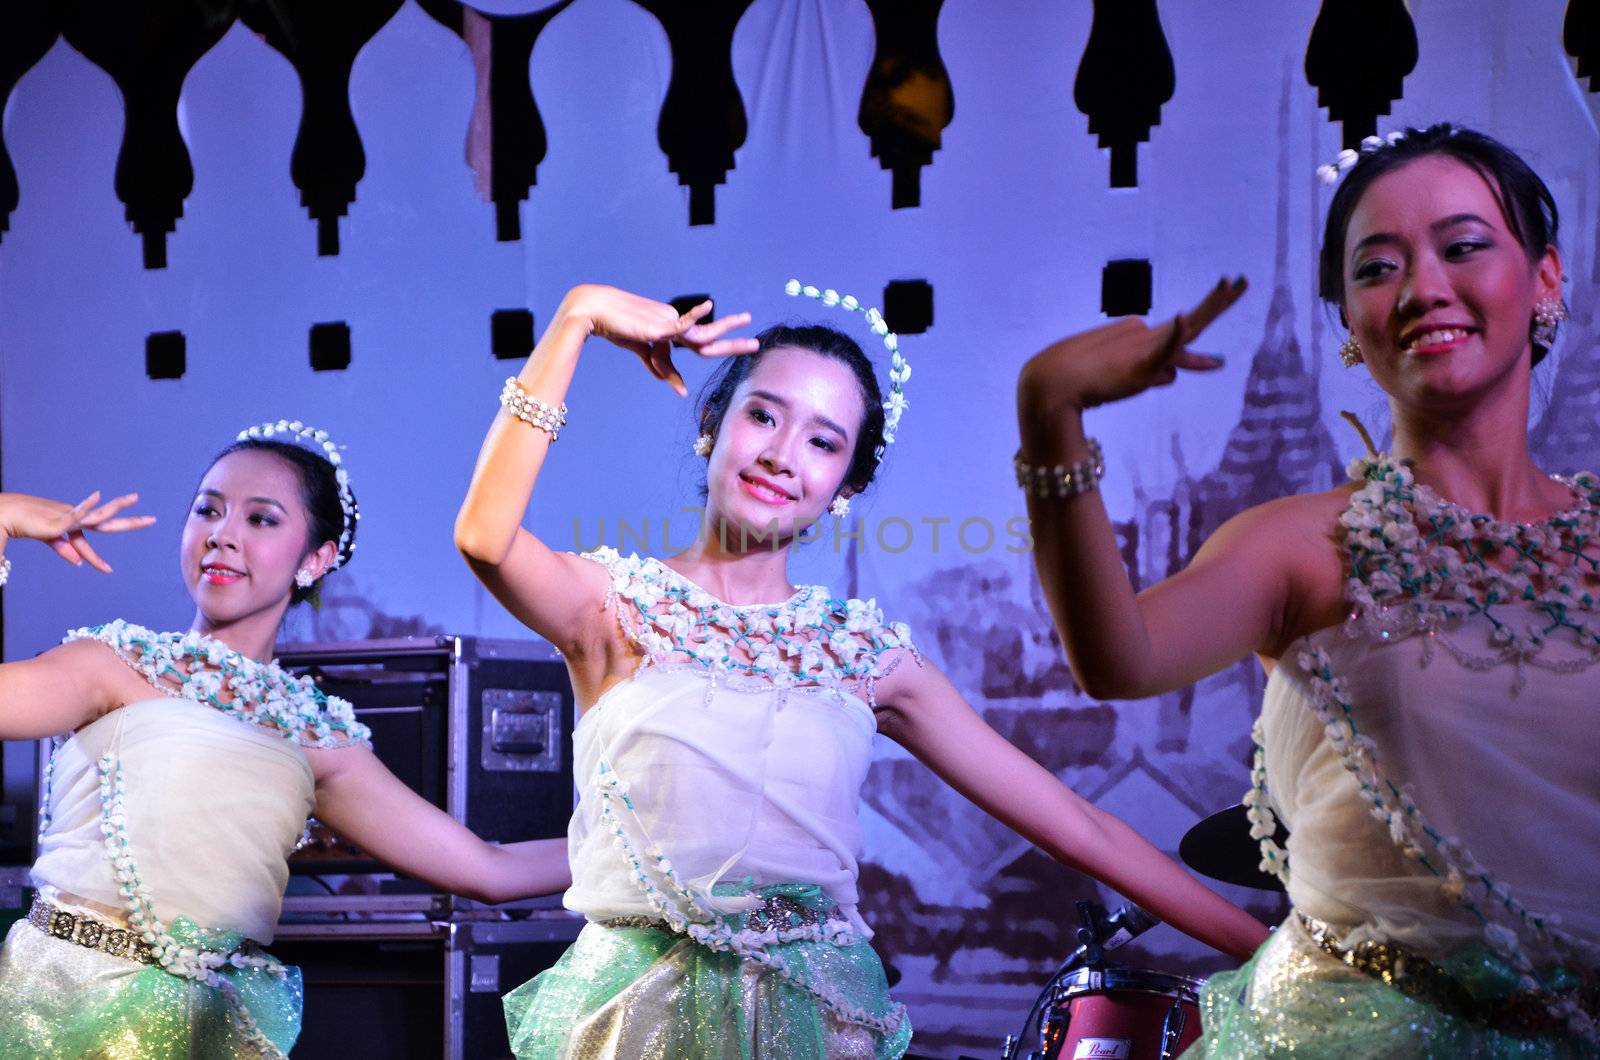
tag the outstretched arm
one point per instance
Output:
(67, 686)
(927, 715)
(555, 593)
(1232, 598)
(362, 801)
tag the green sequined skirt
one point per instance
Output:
(1292, 998)
(61, 1001)
(645, 993)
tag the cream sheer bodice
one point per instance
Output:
(211, 777)
(1437, 757)
(737, 750)
(213, 808)
(1515, 778)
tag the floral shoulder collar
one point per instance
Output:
(197, 667)
(1418, 562)
(812, 638)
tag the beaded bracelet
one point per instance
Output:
(531, 410)
(5, 570)
(1062, 480)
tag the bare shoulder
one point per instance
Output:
(908, 685)
(64, 688)
(1289, 520)
(86, 662)
(1299, 536)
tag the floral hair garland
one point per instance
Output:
(899, 368)
(1330, 173)
(318, 441)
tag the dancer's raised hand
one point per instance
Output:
(1119, 359)
(63, 526)
(649, 329)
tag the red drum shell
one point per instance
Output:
(1121, 1014)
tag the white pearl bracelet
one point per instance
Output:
(5, 570)
(531, 410)
(1062, 480)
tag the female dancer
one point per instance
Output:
(190, 771)
(1429, 629)
(727, 716)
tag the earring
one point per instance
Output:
(1350, 351)
(304, 578)
(840, 507)
(702, 445)
(1548, 313)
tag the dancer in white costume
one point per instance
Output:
(191, 767)
(728, 715)
(1428, 732)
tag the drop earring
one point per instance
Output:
(1548, 313)
(1350, 351)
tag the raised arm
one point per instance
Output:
(69, 685)
(1229, 602)
(555, 593)
(923, 712)
(362, 801)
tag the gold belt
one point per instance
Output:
(90, 931)
(774, 911)
(118, 938)
(1525, 1013)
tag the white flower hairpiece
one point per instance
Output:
(894, 406)
(1330, 173)
(317, 439)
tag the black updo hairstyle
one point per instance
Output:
(817, 338)
(319, 492)
(1529, 208)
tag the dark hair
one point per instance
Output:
(1529, 207)
(319, 492)
(817, 338)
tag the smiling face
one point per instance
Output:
(1437, 290)
(785, 442)
(245, 537)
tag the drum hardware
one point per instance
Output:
(1098, 933)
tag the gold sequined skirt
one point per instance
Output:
(63, 1001)
(1295, 998)
(640, 993)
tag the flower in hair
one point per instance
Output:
(899, 369)
(1330, 173)
(318, 441)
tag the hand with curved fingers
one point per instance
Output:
(649, 329)
(64, 526)
(1120, 359)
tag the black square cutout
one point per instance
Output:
(685, 302)
(330, 346)
(1125, 287)
(511, 333)
(908, 306)
(165, 355)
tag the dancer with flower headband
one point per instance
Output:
(727, 715)
(192, 765)
(1430, 632)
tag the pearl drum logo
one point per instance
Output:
(1103, 1049)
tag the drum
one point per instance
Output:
(1120, 1014)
